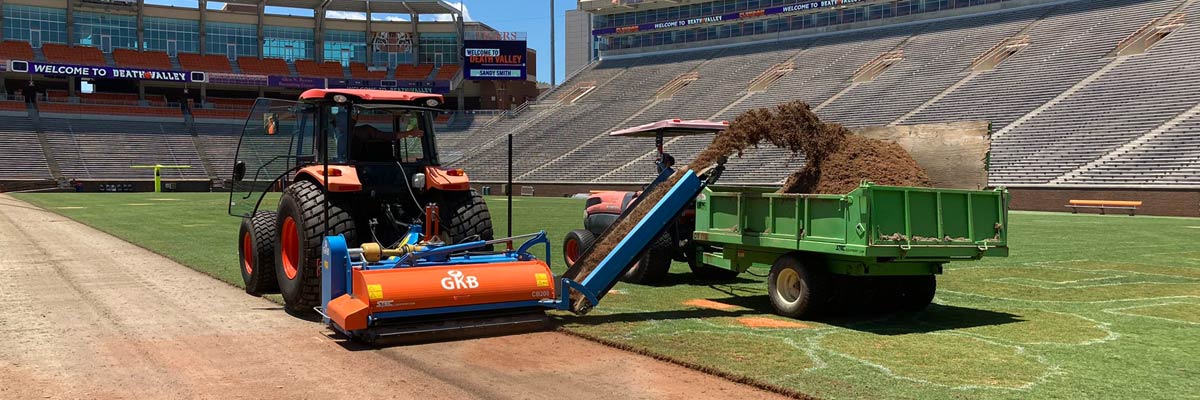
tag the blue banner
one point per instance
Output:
(96, 72)
(295, 82)
(802, 6)
(494, 60)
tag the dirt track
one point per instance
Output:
(87, 315)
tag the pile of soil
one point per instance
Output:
(838, 161)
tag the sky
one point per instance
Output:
(530, 16)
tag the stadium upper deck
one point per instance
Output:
(639, 26)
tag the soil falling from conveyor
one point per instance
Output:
(837, 162)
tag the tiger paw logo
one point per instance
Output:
(458, 280)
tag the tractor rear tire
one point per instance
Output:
(577, 242)
(797, 288)
(654, 265)
(465, 218)
(257, 252)
(301, 228)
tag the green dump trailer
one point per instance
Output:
(877, 247)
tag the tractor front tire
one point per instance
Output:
(917, 292)
(465, 218)
(798, 289)
(655, 263)
(577, 242)
(301, 228)
(256, 249)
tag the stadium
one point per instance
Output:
(1021, 226)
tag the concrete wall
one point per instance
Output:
(579, 40)
(1179, 203)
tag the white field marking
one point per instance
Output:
(1117, 311)
(193, 225)
(70, 208)
(1096, 285)
(790, 342)
(1066, 301)
(1192, 227)
(166, 199)
(1051, 369)
(138, 204)
(1110, 335)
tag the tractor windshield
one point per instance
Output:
(277, 136)
(379, 133)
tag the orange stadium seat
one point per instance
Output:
(266, 66)
(13, 50)
(12, 105)
(207, 63)
(328, 69)
(447, 72)
(108, 110)
(414, 72)
(83, 55)
(359, 70)
(147, 59)
(239, 114)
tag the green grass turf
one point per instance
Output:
(1086, 307)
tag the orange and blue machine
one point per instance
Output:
(420, 287)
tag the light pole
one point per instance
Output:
(553, 78)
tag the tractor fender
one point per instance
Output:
(608, 202)
(446, 179)
(342, 178)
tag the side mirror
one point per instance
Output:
(239, 171)
(418, 181)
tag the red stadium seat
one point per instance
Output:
(13, 50)
(359, 71)
(414, 72)
(447, 72)
(328, 69)
(82, 55)
(64, 108)
(147, 59)
(207, 63)
(266, 66)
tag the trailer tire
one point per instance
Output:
(300, 226)
(465, 217)
(798, 290)
(917, 292)
(256, 250)
(577, 242)
(654, 264)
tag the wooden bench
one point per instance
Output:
(1130, 206)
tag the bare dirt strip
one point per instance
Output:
(87, 315)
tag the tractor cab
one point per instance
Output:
(671, 128)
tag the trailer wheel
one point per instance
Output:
(654, 264)
(256, 251)
(917, 292)
(575, 244)
(798, 290)
(301, 229)
(465, 217)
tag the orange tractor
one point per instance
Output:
(362, 164)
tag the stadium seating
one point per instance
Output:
(14, 50)
(447, 72)
(104, 149)
(22, 154)
(78, 55)
(359, 71)
(328, 69)
(65, 108)
(237, 104)
(266, 66)
(231, 114)
(414, 72)
(207, 63)
(147, 59)
(1063, 101)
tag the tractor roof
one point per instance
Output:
(371, 95)
(674, 127)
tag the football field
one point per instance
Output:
(1086, 306)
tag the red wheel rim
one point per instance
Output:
(289, 240)
(247, 253)
(572, 251)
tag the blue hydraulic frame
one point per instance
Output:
(337, 263)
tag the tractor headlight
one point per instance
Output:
(418, 181)
(341, 98)
(431, 103)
